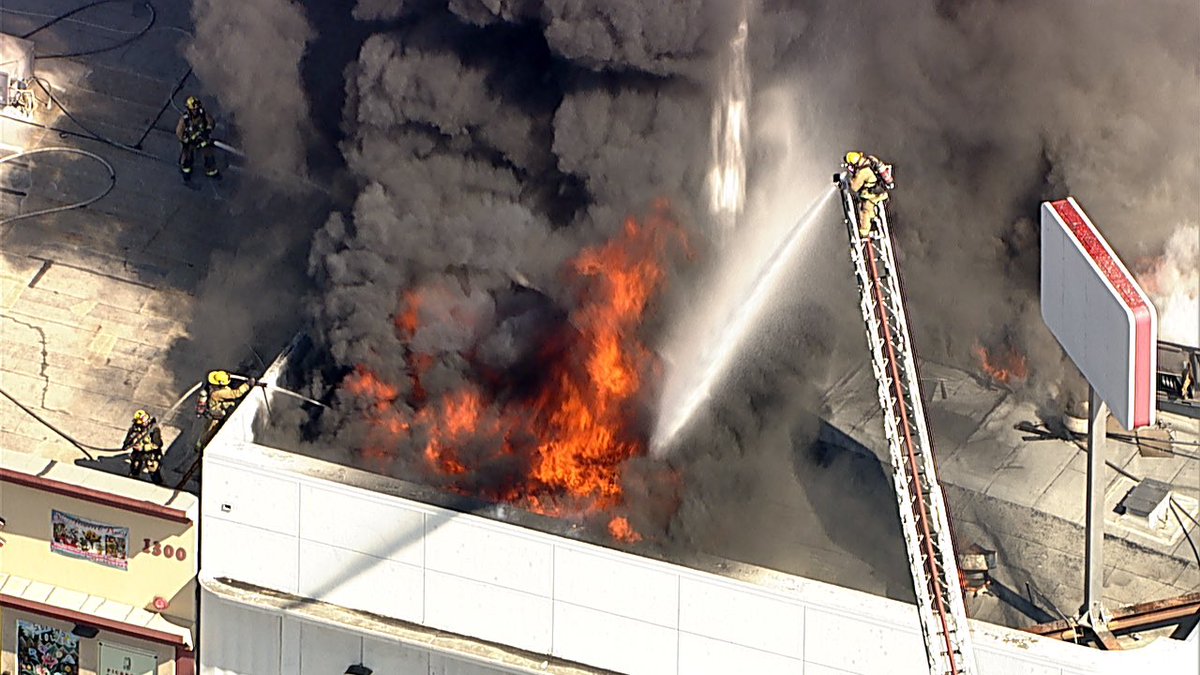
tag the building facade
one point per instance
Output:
(97, 572)
(300, 552)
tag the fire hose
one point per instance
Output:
(85, 447)
(112, 181)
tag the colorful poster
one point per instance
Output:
(46, 651)
(79, 538)
(118, 659)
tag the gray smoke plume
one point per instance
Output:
(248, 57)
(988, 108)
(490, 140)
(249, 53)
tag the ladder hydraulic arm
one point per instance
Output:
(926, 526)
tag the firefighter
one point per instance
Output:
(194, 131)
(144, 443)
(870, 180)
(217, 400)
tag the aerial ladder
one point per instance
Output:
(925, 523)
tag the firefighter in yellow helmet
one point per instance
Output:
(194, 132)
(870, 180)
(217, 400)
(145, 445)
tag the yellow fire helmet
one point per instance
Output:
(219, 378)
(193, 103)
(141, 417)
(853, 157)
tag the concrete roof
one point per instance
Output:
(97, 483)
(1023, 495)
(95, 302)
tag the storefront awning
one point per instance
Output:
(78, 607)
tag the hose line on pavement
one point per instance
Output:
(84, 447)
(66, 15)
(112, 181)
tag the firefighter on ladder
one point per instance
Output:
(217, 399)
(870, 181)
(145, 445)
(194, 132)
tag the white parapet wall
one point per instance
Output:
(356, 540)
(271, 520)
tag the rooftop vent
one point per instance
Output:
(1150, 500)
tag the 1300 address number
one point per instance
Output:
(157, 549)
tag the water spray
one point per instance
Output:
(730, 129)
(274, 387)
(683, 397)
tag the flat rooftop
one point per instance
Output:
(1014, 487)
(99, 305)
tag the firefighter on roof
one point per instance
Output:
(870, 180)
(217, 400)
(145, 445)
(194, 131)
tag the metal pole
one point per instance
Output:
(1093, 579)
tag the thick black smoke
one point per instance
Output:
(990, 107)
(489, 141)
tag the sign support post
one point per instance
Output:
(1093, 569)
(1108, 326)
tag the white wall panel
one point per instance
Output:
(862, 646)
(289, 661)
(600, 607)
(814, 669)
(992, 661)
(440, 664)
(742, 616)
(624, 587)
(327, 651)
(700, 655)
(613, 642)
(249, 554)
(487, 612)
(236, 639)
(232, 493)
(393, 658)
(362, 524)
(486, 553)
(361, 582)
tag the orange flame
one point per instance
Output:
(1008, 367)
(364, 384)
(584, 417)
(580, 422)
(621, 530)
(452, 422)
(408, 319)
